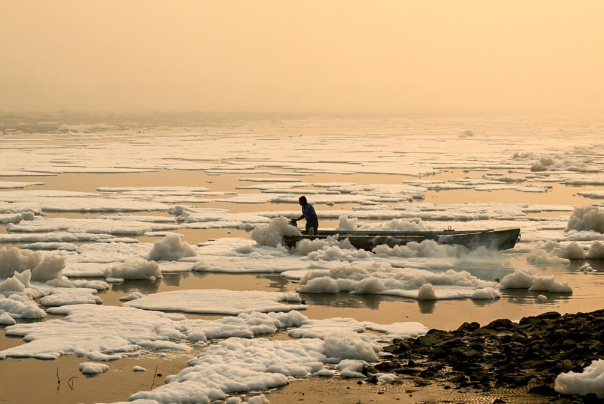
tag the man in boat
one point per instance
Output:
(308, 213)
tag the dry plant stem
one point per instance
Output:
(153, 382)
(70, 382)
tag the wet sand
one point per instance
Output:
(330, 391)
(60, 380)
(120, 381)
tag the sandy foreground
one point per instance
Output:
(314, 390)
(59, 382)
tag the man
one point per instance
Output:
(308, 213)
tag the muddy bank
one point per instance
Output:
(502, 355)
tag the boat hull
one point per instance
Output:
(494, 239)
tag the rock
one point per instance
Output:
(421, 382)
(502, 353)
(566, 365)
(569, 343)
(432, 338)
(429, 372)
(458, 379)
(468, 327)
(385, 366)
(549, 315)
(590, 398)
(500, 325)
(407, 371)
(543, 390)
(485, 331)
(372, 379)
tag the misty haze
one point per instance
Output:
(301, 201)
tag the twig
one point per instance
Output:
(70, 382)
(153, 382)
(58, 381)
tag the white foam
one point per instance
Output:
(214, 301)
(199, 218)
(171, 248)
(591, 380)
(237, 365)
(135, 269)
(587, 218)
(96, 332)
(91, 368)
(592, 194)
(58, 237)
(552, 253)
(20, 306)
(96, 226)
(272, 234)
(43, 268)
(80, 204)
(6, 319)
(64, 296)
(526, 280)
(387, 280)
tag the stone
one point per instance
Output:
(503, 353)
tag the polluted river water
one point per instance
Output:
(99, 202)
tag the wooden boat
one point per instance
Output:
(494, 239)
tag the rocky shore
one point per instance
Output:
(527, 355)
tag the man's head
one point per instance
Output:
(302, 200)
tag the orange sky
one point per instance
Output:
(384, 56)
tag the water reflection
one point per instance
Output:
(347, 300)
(227, 281)
(343, 300)
(174, 279)
(426, 306)
(277, 282)
(596, 265)
(483, 302)
(143, 286)
(524, 298)
(487, 271)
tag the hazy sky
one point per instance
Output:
(374, 56)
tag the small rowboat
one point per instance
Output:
(494, 239)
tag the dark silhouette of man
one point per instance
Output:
(308, 213)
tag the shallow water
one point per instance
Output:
(120, 381)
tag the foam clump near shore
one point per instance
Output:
(272, 234)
